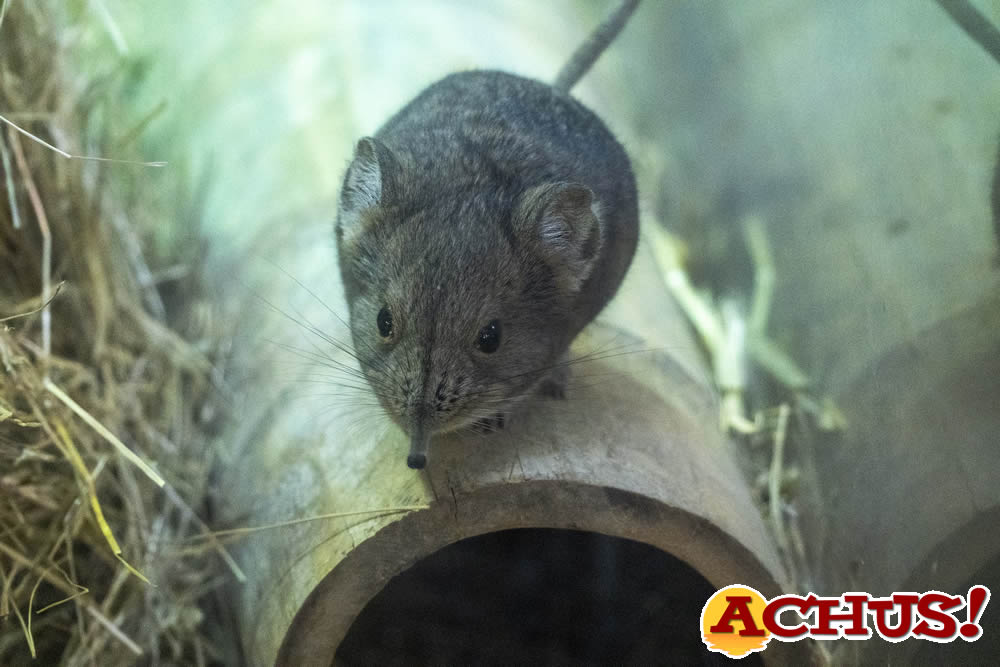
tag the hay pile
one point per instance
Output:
(102, 336)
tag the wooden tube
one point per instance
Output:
(633, 452)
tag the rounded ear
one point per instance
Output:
(367, 185)
(561, 222)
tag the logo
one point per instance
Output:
(737, 620)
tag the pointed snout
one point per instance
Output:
(419, 439)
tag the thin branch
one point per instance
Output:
(111, 26)
(78, 157)
(114, 630)
(43, 225)
(774, 486)
(308, 519)
(55, 293)
(208, 535)
(8, 174)
(68, 589)
(101, 429)
(975, 24)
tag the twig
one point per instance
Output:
(319, 517)
(730, 357)
(111, 26)
(207, 534)
(66, 588)
(763, 274)
(114, 630)
(975, 25)
(136, 130)
(730, 370)
(774, 484)
(15, 214)
(31, 603)
(7, 581)
(133, 249)
(79, 157)
(83, 591)
(776, 362)
(760, 347)
(70, 451)
(102, 430)
(701, 315)
(43, 225)
(55, 293)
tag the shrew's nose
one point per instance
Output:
(419, 438)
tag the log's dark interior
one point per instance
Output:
(983, 651)
(537, 596)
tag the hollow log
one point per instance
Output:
(633, 452)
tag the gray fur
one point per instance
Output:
(489, 197)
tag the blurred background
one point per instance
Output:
(858, 138)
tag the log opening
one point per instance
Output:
(540, 596)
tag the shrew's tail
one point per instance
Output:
(588, 52)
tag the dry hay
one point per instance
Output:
(102, 337)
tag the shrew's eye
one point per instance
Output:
(488, 339)
(384, 321)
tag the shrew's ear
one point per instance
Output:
(368, 184)
(561, 221)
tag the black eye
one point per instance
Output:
(488, 339)
(384, 321)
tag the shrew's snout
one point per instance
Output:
(419, 438)
(430, 408)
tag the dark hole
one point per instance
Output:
(538, 597)
(983, 651)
